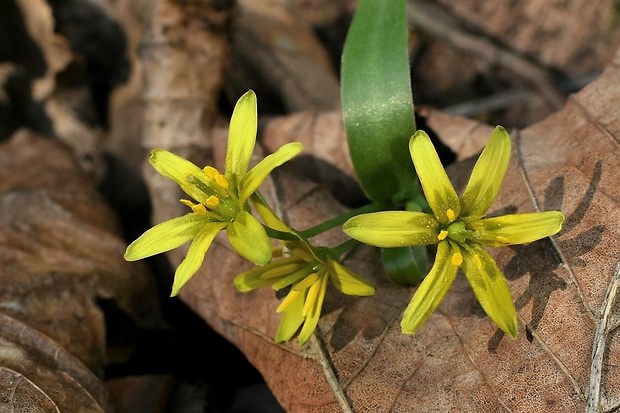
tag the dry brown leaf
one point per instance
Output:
(277, 53)
(60, 252)
(564, 289)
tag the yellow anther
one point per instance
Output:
(442, 235)
(478, 261)
(502, 240)
(198, 209)
(221, 181)
(277, 252)
(212, 202)
(451, 215)
(210, 171)
(457, 259)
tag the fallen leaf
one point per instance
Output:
(60, 253)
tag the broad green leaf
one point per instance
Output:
(405, 265)
(377, 100)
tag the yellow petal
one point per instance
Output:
(195, 255)
(393, 228)
(178, 169)
(487, 176)
(291, 318)
(312, 319)
(255, 177)
(439, 192)
(432, 290)
(241, 137)
(256, 277)
(490, 288)
(347, 281)
(166, 236)
(516, 228)
(248, 237)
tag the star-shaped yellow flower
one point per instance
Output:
(459, 228)
(219, 201)
(307, 270)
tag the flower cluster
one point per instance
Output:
(457, 225)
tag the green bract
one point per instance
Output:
(458, 227)
(221, 200)
(306, 269)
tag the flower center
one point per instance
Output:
(456, 231)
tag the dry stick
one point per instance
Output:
(603, 328)
(328, 369)
(433, 19)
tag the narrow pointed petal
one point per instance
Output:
(347, 281)
(490, 288)
(241, 137)
(312, 319)
(393, 228)
(517, 228)
(438, 190)
(178, 169)
(195, 255)
(248, 237)
(432, 290)
(165, 236)
(487, 176)
(255, 177)
(267, 274)
(292, 319)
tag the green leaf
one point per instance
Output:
(405, 265)
(377, 100)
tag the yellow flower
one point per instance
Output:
(459, 228)
(219, 201)
(307, 270)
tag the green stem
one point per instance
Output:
(344, 247)
(341, 219)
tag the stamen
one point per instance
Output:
(457, 259)
(277, 252)
(221, 181)
(442, 235)
(199, 209)
(210, 171)
(502, 240)
(212, 202)
(187, 202)
(451, 215)
(478, 261)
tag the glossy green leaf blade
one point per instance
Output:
(377, 100)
